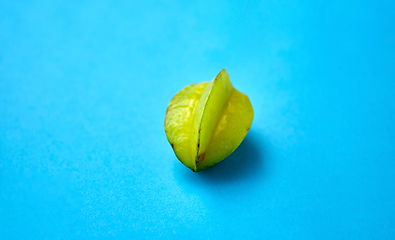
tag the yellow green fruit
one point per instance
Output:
(206, 122)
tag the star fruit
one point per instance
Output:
(205, 122)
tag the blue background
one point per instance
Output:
(84, 88)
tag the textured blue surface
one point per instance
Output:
(84, 88)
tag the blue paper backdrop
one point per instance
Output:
(84, 87)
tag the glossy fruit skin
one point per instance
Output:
(206, 122)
